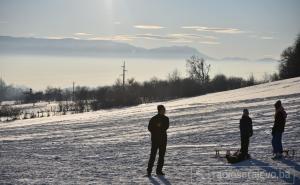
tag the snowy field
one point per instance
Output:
(113, 146)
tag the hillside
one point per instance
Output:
(113, 146)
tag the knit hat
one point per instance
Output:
(277, 104)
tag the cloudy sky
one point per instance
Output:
(219, 28)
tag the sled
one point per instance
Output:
(232, 155)
(235, 159)
(222, 153)
(289, 153)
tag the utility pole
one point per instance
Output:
(73, 92)
(124, 71)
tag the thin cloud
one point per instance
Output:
(82, 34)
(117, 22)
(209, 42)
(181, 38)
(54, 37)
(31, 34)
(175, 38)
(221, 30)
(271, 56)
(262, 37)
(114, 38)
(214, 29)
(181, 41)
(267, 38)
(209, 37)
(188, 38)
(192, 36)
(151, 27)
(60, 37)
(253, 36)
(191, 27)
(154, 37)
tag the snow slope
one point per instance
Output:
(113, 146)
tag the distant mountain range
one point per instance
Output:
(235, 59)
(99, 48)
(89, 48)
(246, 59)
(267, 60)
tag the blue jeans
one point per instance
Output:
(276, 142)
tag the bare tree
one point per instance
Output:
(198, 69)
(2, 90)
(174, 76)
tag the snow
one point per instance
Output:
(113, 146)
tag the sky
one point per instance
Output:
(252, 29)
(219, 28)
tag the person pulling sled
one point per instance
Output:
(246, 132)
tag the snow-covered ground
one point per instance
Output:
(113, 146)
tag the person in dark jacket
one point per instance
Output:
(246, 132)
(158, 126)
(278, 129)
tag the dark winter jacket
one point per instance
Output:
(246, 126)
(158, 126)
(280, 119)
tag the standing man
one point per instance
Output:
(246, 132)
(158, 126)
(278, 129)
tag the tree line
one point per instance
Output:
(198, 82)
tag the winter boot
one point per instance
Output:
(160, 173)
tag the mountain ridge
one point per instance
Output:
(92, 48)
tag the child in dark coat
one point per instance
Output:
(246, 132)
(278, 129)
